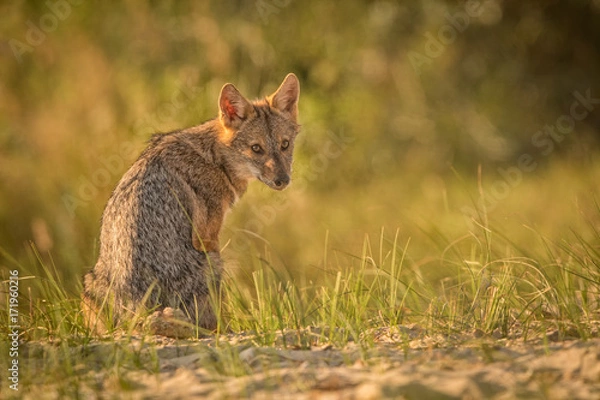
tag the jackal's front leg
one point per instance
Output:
(205, 231)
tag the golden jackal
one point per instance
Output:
(159, 241)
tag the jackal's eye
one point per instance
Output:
(285, 144)
(256, 148)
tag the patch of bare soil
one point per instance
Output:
(402, 364)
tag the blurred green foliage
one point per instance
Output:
(401, 102)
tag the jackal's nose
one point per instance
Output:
(282, 181)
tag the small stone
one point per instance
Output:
(368, 391)
(590, 367)
(247, 355)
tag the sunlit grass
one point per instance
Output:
(555, 285)
(516, 295)
(481, 284)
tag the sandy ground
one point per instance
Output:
(402, 364)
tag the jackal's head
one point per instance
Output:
(261, 134)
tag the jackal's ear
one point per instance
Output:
(285, 99)
(233, 107)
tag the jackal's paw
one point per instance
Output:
(170, 322)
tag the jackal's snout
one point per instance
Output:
(278, 184)
(275, 176)
(282, 181)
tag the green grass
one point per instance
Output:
(489, 287)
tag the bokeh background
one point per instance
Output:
(421, 119)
